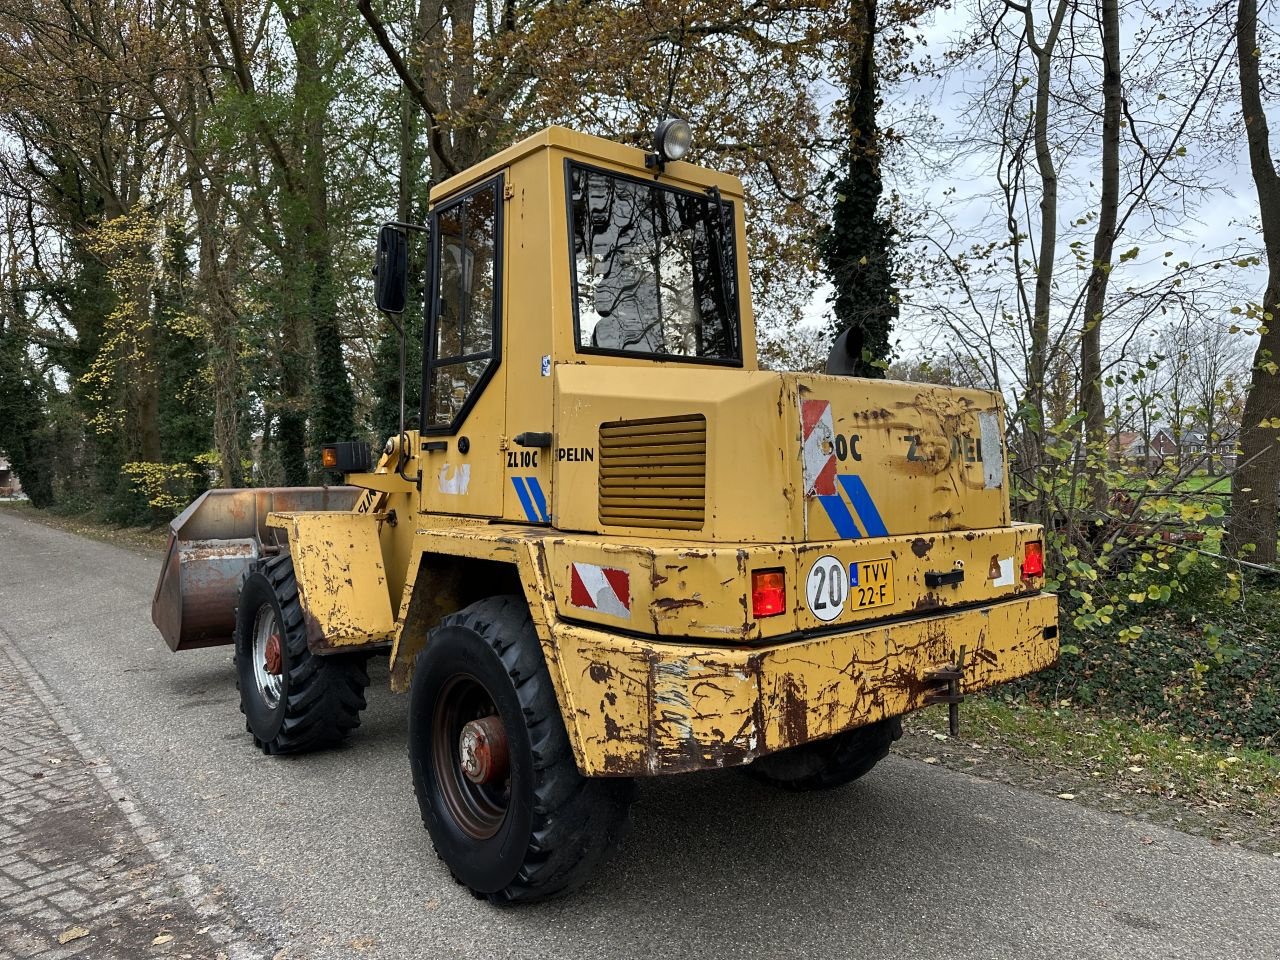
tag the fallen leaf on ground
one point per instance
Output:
(163, 938)
(75, 933)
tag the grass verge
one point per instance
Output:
(148, 540)
(1230, 795)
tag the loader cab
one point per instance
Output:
(564, 250)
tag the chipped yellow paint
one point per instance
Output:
(342, 581)
(351, 567)
(645, 708)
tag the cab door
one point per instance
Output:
(463, 388)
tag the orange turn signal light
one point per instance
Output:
(768, 593)
(329, 457)
(1033, 559)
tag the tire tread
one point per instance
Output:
(578, 822)
(325, 694)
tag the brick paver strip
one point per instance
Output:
(76, 851)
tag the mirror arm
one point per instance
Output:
(399, 328)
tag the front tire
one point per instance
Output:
(829, 763)
(500, 794)
(293, 701)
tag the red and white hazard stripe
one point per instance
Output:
(601, 589)
(819, 447)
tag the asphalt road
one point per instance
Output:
(325, 854)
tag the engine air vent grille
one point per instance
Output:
(653, 473)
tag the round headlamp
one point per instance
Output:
(672, 139)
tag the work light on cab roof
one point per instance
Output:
(671, 141)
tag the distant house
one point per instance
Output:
(1161, 447)
(1121, 442)
(1220, 453)
(1135, 448)
(1191, 451)
(9, 484)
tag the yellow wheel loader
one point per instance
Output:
(615, 547)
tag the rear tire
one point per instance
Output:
(828, 763)
(535, 828)
(312, 702)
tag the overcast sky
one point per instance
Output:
(1226, 221)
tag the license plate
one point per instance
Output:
(870, 584)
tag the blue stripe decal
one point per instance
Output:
(839, 515)
(863, 504)
(538, 499)
(530, 512)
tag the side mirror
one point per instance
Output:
(391, 270)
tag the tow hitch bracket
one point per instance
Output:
(952, 675)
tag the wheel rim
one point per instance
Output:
(267, 643)
(479, 809)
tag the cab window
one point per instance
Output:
(654, 269)
(463, 335)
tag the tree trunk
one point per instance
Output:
(856, 247)
(147, 382)
(1038, 359)
(1253, 487)
(1104, 240)
(293, 352)
(333, 405)
(223, 324)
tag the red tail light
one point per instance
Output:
(768, 593)
(1033, 559)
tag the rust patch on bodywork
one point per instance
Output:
(929, 601)
(794, 710)
(599, 672)
(669, 604)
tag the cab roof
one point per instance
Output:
(585, 147)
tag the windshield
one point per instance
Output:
(653, 268)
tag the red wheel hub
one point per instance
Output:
(482, 751)
(275, 657)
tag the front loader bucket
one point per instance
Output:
(211, 545)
